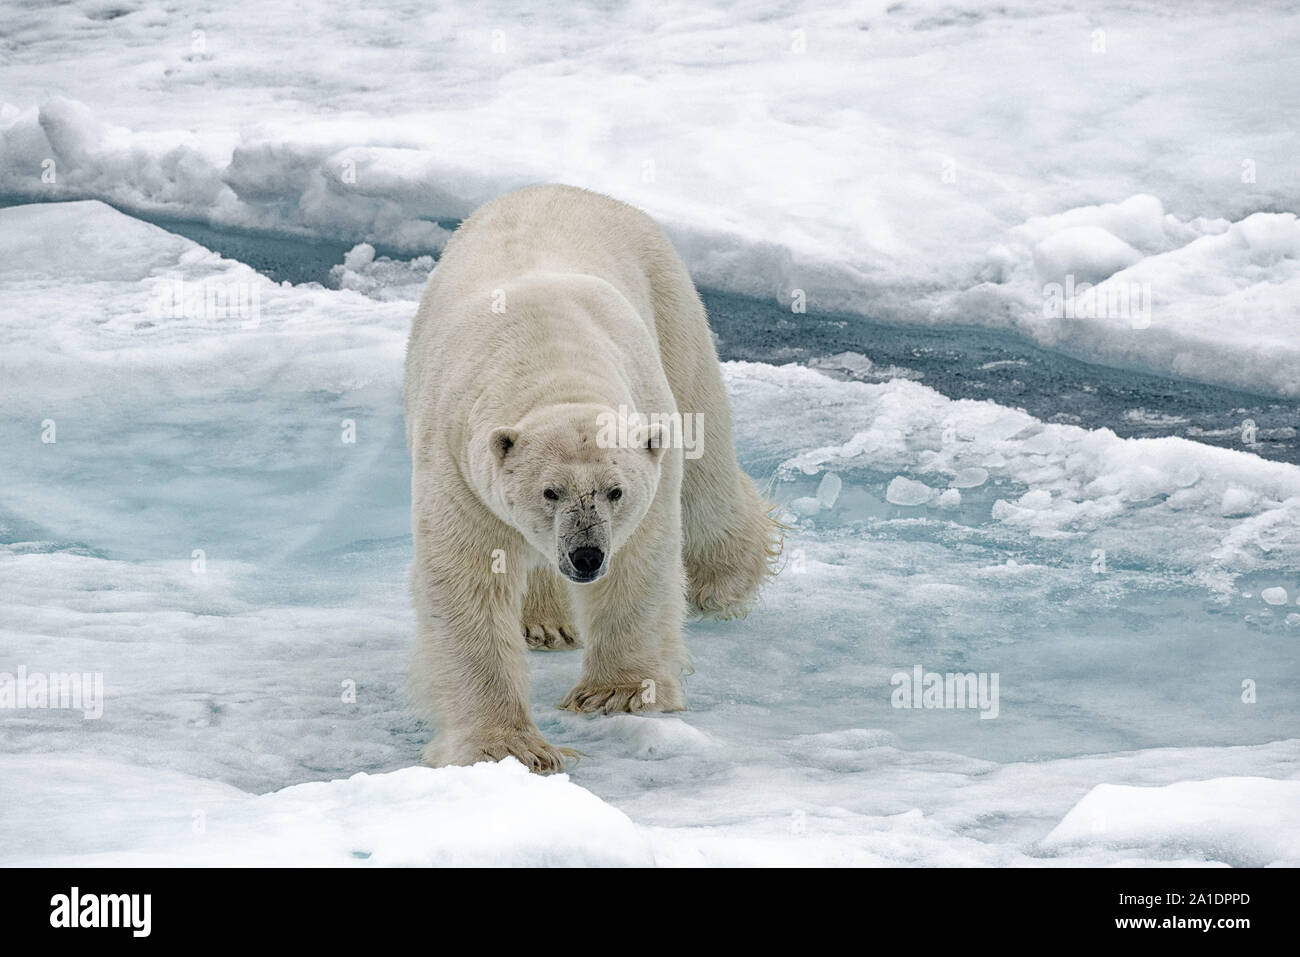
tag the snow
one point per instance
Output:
(1199, 296)
(931, 162)
(906, 491)
(1077, 484)
(854, 365)
(1247, 821)
(202, 533)
(497, 815)
(1274, 596)
(383, 277)
(969, 478)
(1089, 253)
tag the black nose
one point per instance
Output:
(586, 561)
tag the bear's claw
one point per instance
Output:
(531, 750)
(540, 637)
(613, 699)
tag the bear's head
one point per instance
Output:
(574, 494)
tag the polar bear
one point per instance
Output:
(557, 349)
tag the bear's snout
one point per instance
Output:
(587, 564)
(584, 564)
(583, 537)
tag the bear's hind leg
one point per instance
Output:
(547, 617)
(731, 539)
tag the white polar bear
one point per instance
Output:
(554, 313)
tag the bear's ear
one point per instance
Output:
(502, 441)
(654, 438)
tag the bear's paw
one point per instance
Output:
(526, 746)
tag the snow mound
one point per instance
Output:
(1127, 284)
(489, 815)
(383, 277)
(1089, 253)
(1245, 821)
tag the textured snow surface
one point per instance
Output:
(202, 534)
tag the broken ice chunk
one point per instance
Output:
(829, 490)
(906, 491)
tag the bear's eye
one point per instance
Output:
(551, 495)
(615, 494)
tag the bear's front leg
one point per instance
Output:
(631, 622)
(469, 673)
